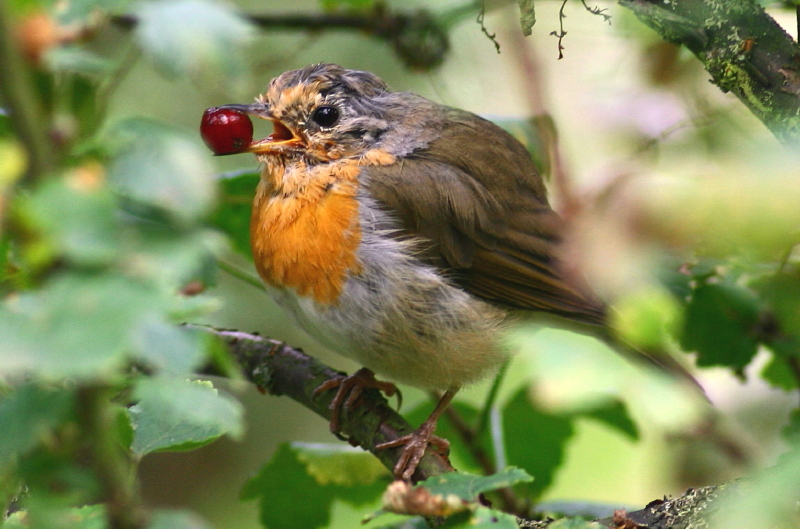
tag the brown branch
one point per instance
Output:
(279, 369)
(419, 39)
(689, 510)
(746, 52)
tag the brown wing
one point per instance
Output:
(475, 194)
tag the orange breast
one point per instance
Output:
(304, 233)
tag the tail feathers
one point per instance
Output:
(655, 357)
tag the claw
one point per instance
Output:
(415, 443)
(351, 387)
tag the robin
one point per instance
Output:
(402, 233)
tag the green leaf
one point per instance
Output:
(721, 324)
(75, 59)
(340, 464)
(615, 415)
(28, 415)
(160, 168)
(187, 36)
(646, 317)
(233, 212)
(86, 11)
(124, 427)
(171, 258)
(77, 214)
(176, 519)
(791, 431)
(778, 374)
(527, 16)
(535, 440)
(782, 293)
(169, 348)
(280, 483)
(78, 325)
(467, 487)
(178, 415)
(767, 498)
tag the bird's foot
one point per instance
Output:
(414, 446)
(350, 387)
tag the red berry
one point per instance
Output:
(226, 131)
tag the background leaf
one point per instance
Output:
(161, 168)
(177, 415)
(79, 325)
(168, 32)
(28, 415)
(720, 325)
(614, 415)
(535, 441)
(232, 215)
(339, 464)
(467, 487)
(78, 216)
(281, 482)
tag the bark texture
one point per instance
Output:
(746, 52)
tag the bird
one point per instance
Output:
(404, 234)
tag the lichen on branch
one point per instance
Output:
(746, 52)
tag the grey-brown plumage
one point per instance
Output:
(475, 194)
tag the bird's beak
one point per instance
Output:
(281, 140)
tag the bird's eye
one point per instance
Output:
(325, 116)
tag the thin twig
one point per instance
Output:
(110, 464)
(491, 397)
(110, 84)
(491, 36)
(240, 273)
(597, 11)
(560, 34)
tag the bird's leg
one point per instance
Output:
(354, 385)
(415, 443)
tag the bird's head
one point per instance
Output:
(319, 113)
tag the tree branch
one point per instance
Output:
(742, 47)
(689, 510)
(418, 38)
(279, 369)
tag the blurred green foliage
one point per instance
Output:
(101, 256)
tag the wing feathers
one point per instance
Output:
(474, 193)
